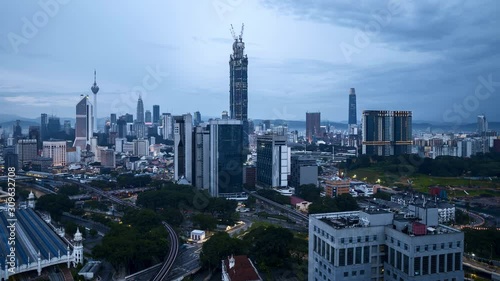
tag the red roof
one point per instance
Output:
(243, 269)
(294, 200)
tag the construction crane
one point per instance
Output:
(234, 34)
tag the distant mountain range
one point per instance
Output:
(8, 120)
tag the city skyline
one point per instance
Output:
(284, 82)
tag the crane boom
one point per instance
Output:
(232, 32)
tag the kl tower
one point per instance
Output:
(95, 89)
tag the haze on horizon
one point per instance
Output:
(424, 56)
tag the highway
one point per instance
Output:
(174, 240)
(291, 212)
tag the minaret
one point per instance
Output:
(95, 89)
(78, 247)
(31, 200)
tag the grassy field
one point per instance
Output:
(455, 186)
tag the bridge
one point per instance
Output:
(291, 212)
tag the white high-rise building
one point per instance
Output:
(183, 147)
(141, 147)
(273, 160)
(56, 150)
(84, 126)
(167, 126)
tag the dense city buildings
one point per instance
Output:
(238, 84)
(183, 147)
(375, 244)
(387, 132)
(273, 160)
(84, 123)
(313, 121)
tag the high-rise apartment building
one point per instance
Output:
(313, 120)
(84, 123)
(156, 114)
(273, 160)
(168, 126)
(55, 149)
(482, 124)
(183, 147)
(387, 132)
(238, 85)
(378, 245)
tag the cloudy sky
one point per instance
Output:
(439, 59)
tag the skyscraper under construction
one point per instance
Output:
(238, 84)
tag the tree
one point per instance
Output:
(270, 245)
(218, 247)
(69, 190)
(55, 204)
(204, 221)
(309, 192)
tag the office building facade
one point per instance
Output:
(26, 150)
(273, 160)
(304, 170)
(156, 114)
(313, 121)
(183, 147)
(378, 245)
(84, 123)
(226, 157)
(386, 132)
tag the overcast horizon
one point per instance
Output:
(439, 60)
